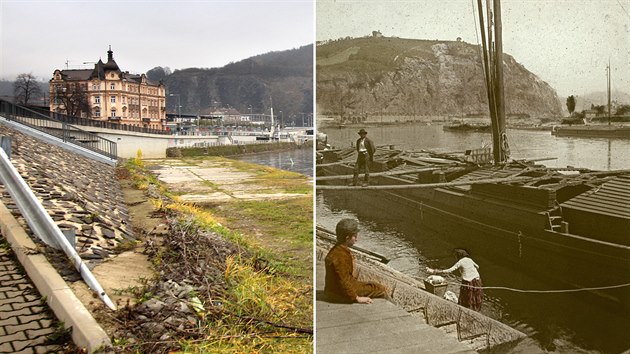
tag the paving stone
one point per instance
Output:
(29, 318)
(25, 286)
(22, 327)
(42, 332)
(12, 337)
(21, 345)
(5, 307)
(8, 314)
(6, 347)
(13, 299)
(46, 322)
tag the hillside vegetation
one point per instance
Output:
(398, 76)
(284, 78)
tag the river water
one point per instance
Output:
(298, 160)
(555, 323)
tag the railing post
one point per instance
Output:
(5, 144)
(63, 131)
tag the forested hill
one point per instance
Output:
(420, 77)
(284, 77)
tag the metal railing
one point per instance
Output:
(58, 128)
(42, 224)
(97, 123)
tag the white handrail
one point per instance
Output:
(42, 224)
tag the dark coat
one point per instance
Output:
(369, 145)
(340, 280)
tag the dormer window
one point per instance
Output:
(112, 86)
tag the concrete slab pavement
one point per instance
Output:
(379, 327)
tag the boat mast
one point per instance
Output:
(272, 129)
(608, 71)
(493, 63)
(500, 144)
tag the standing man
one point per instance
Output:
(341, 273)
(365, 150)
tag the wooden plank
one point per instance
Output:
(429, 185)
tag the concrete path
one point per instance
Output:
(381, 327)
(213, 182)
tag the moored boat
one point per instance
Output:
(568, 225)
(593, 131)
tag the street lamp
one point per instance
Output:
(281, 119)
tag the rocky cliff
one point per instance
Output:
(396, 76)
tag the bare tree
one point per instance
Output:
(26, 89)
(74, 98)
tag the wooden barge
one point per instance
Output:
(571, 226)
(593, 131)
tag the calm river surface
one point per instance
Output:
(556, 323)
(298, 160)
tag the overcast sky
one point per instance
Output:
(40, 36)
(566, 43)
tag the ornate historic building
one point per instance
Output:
(107, 93)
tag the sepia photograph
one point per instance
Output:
(472, 176)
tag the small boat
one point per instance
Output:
(463, 126)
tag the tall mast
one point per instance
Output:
(493, 66)
(486, 60)
(608, 70)
(500, 144)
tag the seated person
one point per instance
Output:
(341, 280)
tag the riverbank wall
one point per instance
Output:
(473, 328)
(230, 150)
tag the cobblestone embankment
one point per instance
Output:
(78, 193)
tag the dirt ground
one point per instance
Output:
(129, 268)
(211, 183)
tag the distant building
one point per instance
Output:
(107, 93)
(590, 113)
(377, 34)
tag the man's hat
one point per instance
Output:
(362, 131)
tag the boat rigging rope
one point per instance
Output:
(544, 291)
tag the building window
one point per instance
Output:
(112, 86)
(112, 99)
(113, 113)
(97, 99)
(94, 86)
(97, 112)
